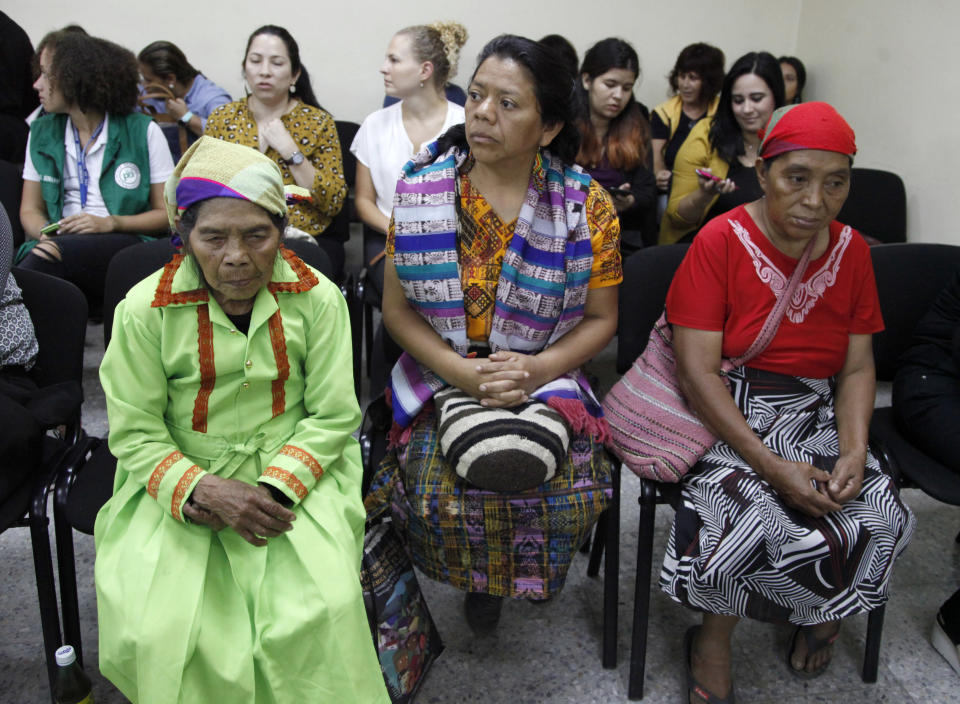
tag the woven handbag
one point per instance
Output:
(652, 429)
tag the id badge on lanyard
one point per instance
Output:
(82, 174)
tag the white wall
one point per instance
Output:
(884, 67)
(343, 48)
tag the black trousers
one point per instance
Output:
(927, 407)
(83, 262)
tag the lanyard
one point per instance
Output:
(82, 172)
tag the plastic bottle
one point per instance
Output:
(73, 685)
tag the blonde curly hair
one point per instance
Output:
(440, 44)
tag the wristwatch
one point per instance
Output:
(186, 117)
(296, 158)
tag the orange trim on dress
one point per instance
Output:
(153, 486)
(185, 481)
(306, 278)
(289, 479)
(165, 296)
(303, 457)
(208, 372)
(279, 343)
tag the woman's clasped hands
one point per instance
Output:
(250, 510)
(505, 379)
(814, 491)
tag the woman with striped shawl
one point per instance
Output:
(501, 282)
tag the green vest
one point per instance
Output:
(124, 178)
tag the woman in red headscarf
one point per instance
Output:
(787, 518)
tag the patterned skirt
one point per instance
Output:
(737, 549)
(514, 545)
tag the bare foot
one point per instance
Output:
(710, 661)
(816, 661)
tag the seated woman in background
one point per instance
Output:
(228, 556)
(794, 79)
(453, 35)
(695, 81)
(417, 65)
(281, 117)
(192, 96)
(615, 137)
(723, 147)
(788, 517)
(506, 217)
(94, 170)
(926, 404)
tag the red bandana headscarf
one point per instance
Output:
(806, 126)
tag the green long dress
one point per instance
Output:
(191, 615)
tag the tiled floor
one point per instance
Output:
(551, 653)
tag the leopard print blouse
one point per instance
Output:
(316, 136)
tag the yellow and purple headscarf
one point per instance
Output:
(212, 168)
(810, 125)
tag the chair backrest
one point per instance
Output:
(877, 205)
(909, 278)
(346, 131)
(58, 310)
(11, 191)
(128, 267)
(646, 279)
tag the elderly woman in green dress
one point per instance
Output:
(228, 557)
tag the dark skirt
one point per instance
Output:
(514, 545)
(737, 549)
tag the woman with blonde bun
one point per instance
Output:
(419, 61)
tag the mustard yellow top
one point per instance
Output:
(696, 153)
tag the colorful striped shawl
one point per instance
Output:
(543, 282)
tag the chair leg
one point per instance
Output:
(585, 548)
(641, 597)
(66, 562)
(596, 550)
(871, 654)
(611, 575)
(46, 591)
(368, 335)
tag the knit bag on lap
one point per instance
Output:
(500, 449)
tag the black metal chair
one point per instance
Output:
(646, 278)
(376, 424)
(877, 205)
(58, 310)
(346, 131)
(909, 279)
(11, 191)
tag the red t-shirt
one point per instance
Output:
(727, 282)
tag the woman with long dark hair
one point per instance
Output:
(501, 281)
(280, 116)
(714, 170)
(615, 137)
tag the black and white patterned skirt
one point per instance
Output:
(735, 548)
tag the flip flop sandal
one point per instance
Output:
(693, 686)
(814, 646)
